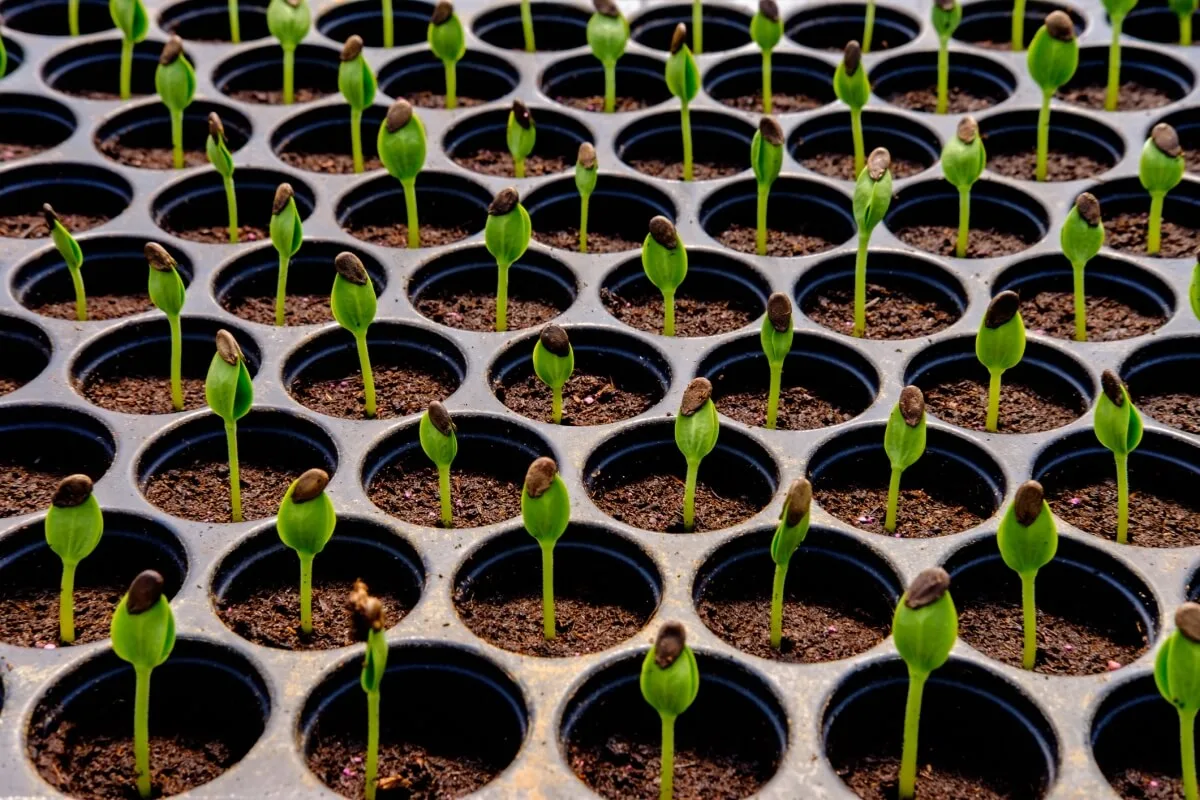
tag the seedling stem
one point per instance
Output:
(73, 17)
(860, 284)
(1080, 306)
(1114, 64)
(451, 86)
(548, 588)
(526, 26)
(235, 28)
(764, 192)
(80, 295)
(685, 119)
(610, 87)
(126, 67)
(893, 501)
(856, 131)
(964, 221)
(356, 138)
(993, 410)
(372, 743)
(235, 483)
(231, 202)
(1154, 234)
(943, 78)
(869, 27)
(1018, 26)
(1122, 498)
(289, 74)
(697, 27)
(141, 729)
(281, 289)
(66, 604)
(689, 495)
(1043, 135)
(444, 492)
(388, 37)
(667, 788)
(1029, 615)
(767, 96)
(176, 361)
(668, 313)
(410, 206)
(364, 362)
(1187, 743)
(912, 726)
(306, 565)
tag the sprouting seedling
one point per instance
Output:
(851, 86)
(305, 523)
(288, 21)
(353, 303)
(546, 511)
(73, 526)
(448, 43)
(1119, 428)
(527, 26)
(776, 337)
(945, 14)
(230, 394)
(356, 82)
(586, 173)
(401, 146)
(553, 363)
(607, 35)
(766, 29)
(222, 161)
(1052, 61)
(789, 534)
(1160, 170)
(72, 256)
(1177, 675)
(999, 346)
(287, 235)
(175, 81)
(1117, 11)
(167, 292)
(696, 429)
(766, 158)
(664, 260)
(143, 633)
(1028, 540)
(683, 80)
(1082, 238)
(235, 28)
(869, 26)
(368, 616)
(904, 443)
(924, 628)
(872, 197)
(130, 18)
(1184, 9)
(963, 160)
(521, 135)
(506, 235)
(441, 446)
(670, 681)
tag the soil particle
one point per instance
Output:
(1023, 408)
(781, 244)
(981, 242)
(597, 241)
(200, 491)
(396, 234)
(274, 97)
(693, 316)
(99, 307)
(29, 610)
(586, 624)
(780, 103)
(877, 778)
(219, 234)
(11, 151)
(892, 313)
(25, 489)
(328, 163)
(298, 309)
(655, 503)
(622, 767)
(406, 770)
(476, 311)
(588, 399)
(1136, 784)
(500, 163)
(410, 492)
(673, 170)
(1130, 97)
(140, 394)
(1060, 165)
(800, 408)
(399, 391)
(435, 100)
(841, 165)
(959, 100)
(1127, 233)
(1108, 318)
(596, 103)
(1154, 520)
(33, 226)
(148, 157)
(922, 513)
(1178, 409)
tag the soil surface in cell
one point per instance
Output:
(99, 307)
(406, 770)
(219, 234)
(800, 408)
(693, 316)
(10, 384)
(11, 151)
(1127, 233)
(673, 170)
(298, 309)
(274, 97)
(920, 513)
(200, 490)
(586, 624)
(141, 394)
(841, 165)
(25, 489)
(328, 163)
(596, 103)
(877, 778)
(29, 609)
(1154, 521)
(33, 226)
(588, 398)
(1061, 165)
(891, 312)
(597, 241)
(500, 163)
(1136, 784)
(426, 99)
(958, 99)
(1131, 96)
(622, 767)
(395, 234)
(781, 102)
(781, 244)
(655, 503)
(476, 311)
(148, 157)
(1023, 408)
(399, 391)
(477, 498)
(1108, 318)
(1178, 409)
(981, 242)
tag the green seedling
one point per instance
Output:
(73, 526)
(1184, 9)
(546, 511)
(143, 633)
(904, 443)
(441, 446)
(527, 26)
(963, 160)
(789, 534)
(288, 21)
(868, 26)
(521, 135)
(168, 294)
(1028, 540)
(553, 363)
(175, 81)
(448, 43)
(696, 429)
(664, 260)
(1117, 11)
(851, 86)
(368, 617)
(222, 161)
(872, 197)
(401, 148)
(586, 173)
(683, 80)
(1177, 675)
(305, 524)
(235, 28)
(1118, 426)
(607, 35)
(131, 19)
(287, 235)
(356, 82)
(1052, 61)
(945, 14)
(506, 235)
(72, 256)
(1082, 238)
(924, 629)
(766, 29)
(230, 394)
(766, 158)
(353, 304)
(670, 681)
(776, 337)
(1160, 170)
(999, 346)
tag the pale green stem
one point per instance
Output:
(388, 37)
(912, 727)
(685, 123)
(1018, 26)
(583, 220)
(689, 495)
(1154, 232)
(281, 291)
(235, 481)
(306, 565)
(1080, 306)
(556, 404)
(502, 298)
(860, 285)
(548, 589)
(1187, 752)
(777, 605)
(1185, 39)
(668, 313)
(451, 86)
(126, 68)
(697, 27)
(1043, 136)
(869, 27)
(1029, 612)
(893, 501)
(943, 76)
(856, 131)
(141, 729)
(81, 314)
(235, 28)
(518, 167)
(73, 17)
(527, 26)
(993, 408)
(231, 202)
(773, 394)
(964, 221)
(66, 604)
(666, 789)
(1122, 499)
(356, 138)
(444, 492)
(364, 362)
(767, 97)
(610, 87)
(372, 767)
(1114, 65)
(177, 137)
(764, 192)
(289, 74)
(410, 206)
(176, 361)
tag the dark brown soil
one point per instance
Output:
(582, 625)
(1136, 784)
(10, 384)
(11, 151)
(1154, 521)
(408, 770)
(877, 778)
(298, 309)
(780, 103)
(596, 103)
(1061, 165)
(568, 239)
(800, 408)
(33, 226)
(219, 234)
(500, 163)
(920, 513)
(140, 394)
(693, 316)
(1127, 233)
(476, 311)
(99, 307)
(588, 399)
(29, 613)
(25, 489)
(1023, 408)
(841, 165)
(673, 170)
(399, 391)
(892, 313)
(328, 163)
(1108, 318)
(959, 100)
(1177, 409)
(477, 498)
(781, 244)
(396, 234)
(981, 242)
(270, 615)
(148, 157)
(655, 503)
(274, 97)
(434, 100)
(622, 767)
(1131, 96)
(200, 490)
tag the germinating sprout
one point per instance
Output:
(696, 429)
(683, 80)
(448, 43)
(1160, 170)
(438, 440)
(607, 35)
(904, 443)
(506, 235)
(401, 146)
(851, 86)
(1184, 9)
(222, 161)
(766, 158)
(368, 616)
(1118, 426)
(357, 84)
(168, 295)
(287, 235)
(670, 681)
(664, 260)
(72, 256)
(766, 29)
(872, 197)
(776, 337)
(1177, 675)
(1082, 238)
(74, 525)
(1028, 539)
(131, 19)
(1052, 61)
(945, 14)
(288, 21)
(175, 81)
(586, 173)
(230, 394)
(1117, 11)
(553, 363)
(546, 511)
(963, 160)
(353, 303)
(789, 534)
(521, 134)
(999, 346)
(305, 523)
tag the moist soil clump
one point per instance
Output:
(399, 391)
(25, 489)
(1061, 165)
(622, 767)
(328, 163)
(959, 100)
(981, 242)
(588, 399)
(921, 513)
(1154, 520)
(800, 408)
(148, 157)
(219, 234)
(274, 97)
(200, 491)
(597, 241)
(99, 307)
(1023, 408)
(1131, 96)
(583, 624)
(1108, 318)
(781, 102)
(29, 610)
(477, 498)
(500, 163)
(673, 170)
(781, 244)
(596, 103)
(1127, 233)
(395, 234)
(655, 503)
(693, 316)
(298, 309)
(141, 394)
(33, 226)
(406, 770)
(841, 165)
(877, 778)
(891, 312)
(476, 311)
